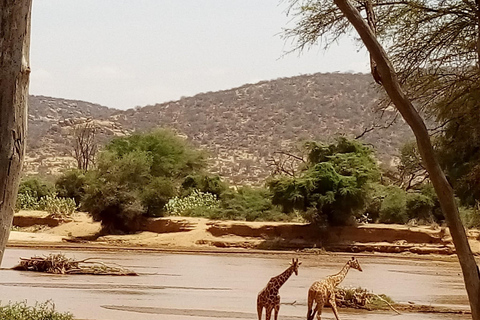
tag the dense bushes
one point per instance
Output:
(36, 194)
(159, 173)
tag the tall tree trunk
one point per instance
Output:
(442, 187)
(14, 77)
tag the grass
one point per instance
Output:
(41, 311)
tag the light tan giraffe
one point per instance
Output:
(323, 292)
(268, 298)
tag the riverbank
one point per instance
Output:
(36, 228)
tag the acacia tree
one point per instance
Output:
(14, 78)
(323, 18)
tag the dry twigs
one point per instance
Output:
(60, 264)
(360, 298)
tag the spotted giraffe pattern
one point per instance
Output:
(323, 292)
(268, 298)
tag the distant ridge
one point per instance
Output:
(241, 127)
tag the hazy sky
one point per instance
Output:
(127, 53)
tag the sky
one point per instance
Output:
(128, 53)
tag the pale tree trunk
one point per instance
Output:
(14, 77)
(442, 187)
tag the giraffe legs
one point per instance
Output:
(259, 307)
(269, 310)
(311, 296)
(277, 307)
(259, 311)
(334, 307)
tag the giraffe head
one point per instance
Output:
(294, 265)
(354, 264)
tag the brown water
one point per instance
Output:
(222, 286)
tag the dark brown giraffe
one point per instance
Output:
(268, 298)
(324, 291)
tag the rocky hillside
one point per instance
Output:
(241, 127)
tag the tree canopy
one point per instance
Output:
(333, 184)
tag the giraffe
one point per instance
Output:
(323, 291)
(268, 298)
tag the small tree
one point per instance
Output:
(85, 144)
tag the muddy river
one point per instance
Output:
(224, 286)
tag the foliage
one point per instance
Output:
(71, 184)
(470, 216)
(204, 183)
(26, 201)
(41, 311)
(419, 207)
(36, 187)
(334, 182)
(394, 206)
(57, 207)
(136, 176)
(195, 200)
(171, 156)
(250, 204)
(411, 170)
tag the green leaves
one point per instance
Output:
(334, 181)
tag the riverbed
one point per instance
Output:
(174, 286)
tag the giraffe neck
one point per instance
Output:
(338, 278)
(283, 277)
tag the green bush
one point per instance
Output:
(192, 204)
(394, 206)
(419, 207)
(249, 204)
(334, 182)
(156, 194)
(57, 207)
(71, 184)
(470, 216)
(204, 183)
(26, 201)
(136, 176)
(41, 311)
(36, 187)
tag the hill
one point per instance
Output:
(241, 127)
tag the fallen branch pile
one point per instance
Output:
(360, 298)
(60, 264)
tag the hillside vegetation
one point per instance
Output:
(240, 127)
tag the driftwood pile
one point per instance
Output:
(360, 298)
(60, 264)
